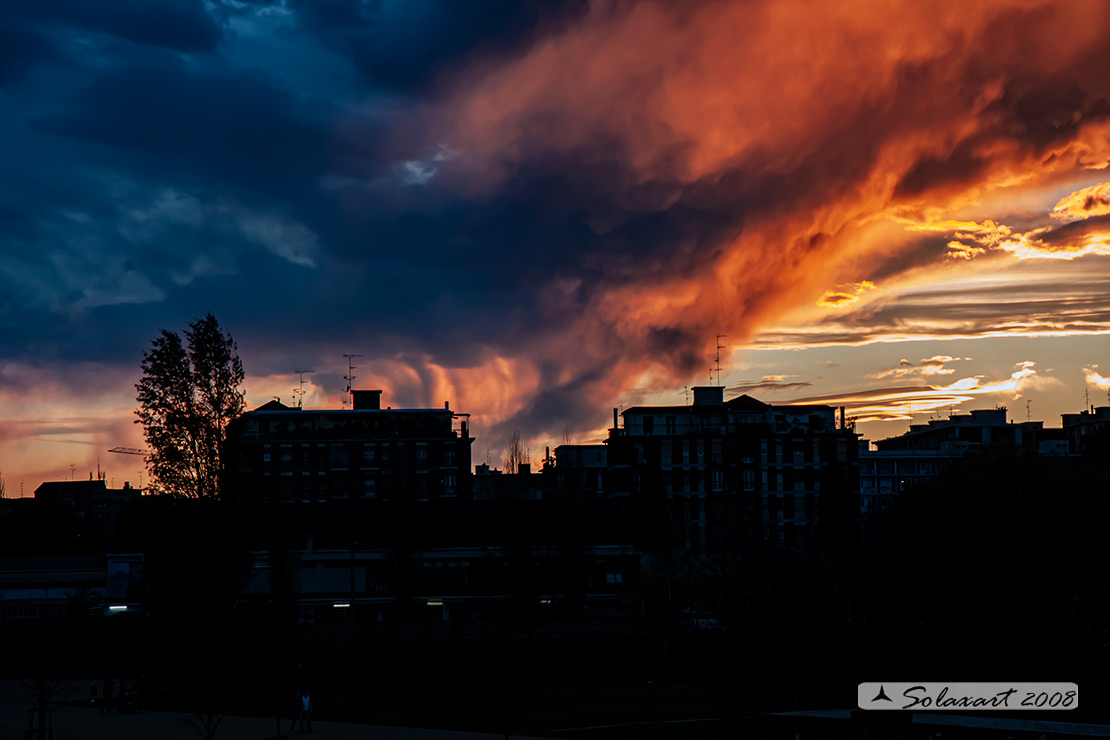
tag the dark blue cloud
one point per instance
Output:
(405, 46)
(21, 49)
(181, 25)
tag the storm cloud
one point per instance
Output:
(524, 208)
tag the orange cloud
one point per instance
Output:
(1090, 201)
(817, 132)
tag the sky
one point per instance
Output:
(539, 211)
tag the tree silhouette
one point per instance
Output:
(516, 455)
(187, 396)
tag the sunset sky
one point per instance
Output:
(539, 211)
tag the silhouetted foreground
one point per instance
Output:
(991, 573)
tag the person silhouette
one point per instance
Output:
(305, 707)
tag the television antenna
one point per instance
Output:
(1028, 401)
(719, 348)
(350, 377)
(298, 392)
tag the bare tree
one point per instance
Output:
(204, 721)
(43, 693)
(516, 455)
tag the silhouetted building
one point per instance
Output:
(1088, 432)
(884, 474)
(286, 454)
(89, 499)
(961, 433)
(582, 470)
(733, 473)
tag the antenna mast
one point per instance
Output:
(350, 377)
(298, 392)
(1027, 413)
(719, 348)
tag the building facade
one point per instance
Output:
(280, 453)
(733, 473)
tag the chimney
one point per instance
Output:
(842, 424)
(446, 405)
(367, 400)
(615, 425)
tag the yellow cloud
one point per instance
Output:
(845, 294)
(1091, 201)
(1095, 379)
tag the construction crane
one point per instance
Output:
(129, 451)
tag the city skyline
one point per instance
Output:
(541, 212)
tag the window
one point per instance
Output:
(265, 457)
(338, 456)
(449, 483)
(665, 452)
(449, 458)
(612, 578)
(369, 488)
(718, 480)
(672, 425)
(749, 480)
(421, 453)
(685, 452)
(763, 452)
(799, 457)
(368, 454)
(649, 425)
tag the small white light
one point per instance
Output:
(341, 605)
(435, 602)
(117, 608)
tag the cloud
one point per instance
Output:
(1009, 297)
(1084, 203)
(531, 207)
(846, 295)
(769, 385)
(935, 365)
(903, 402)
(1092, 376)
